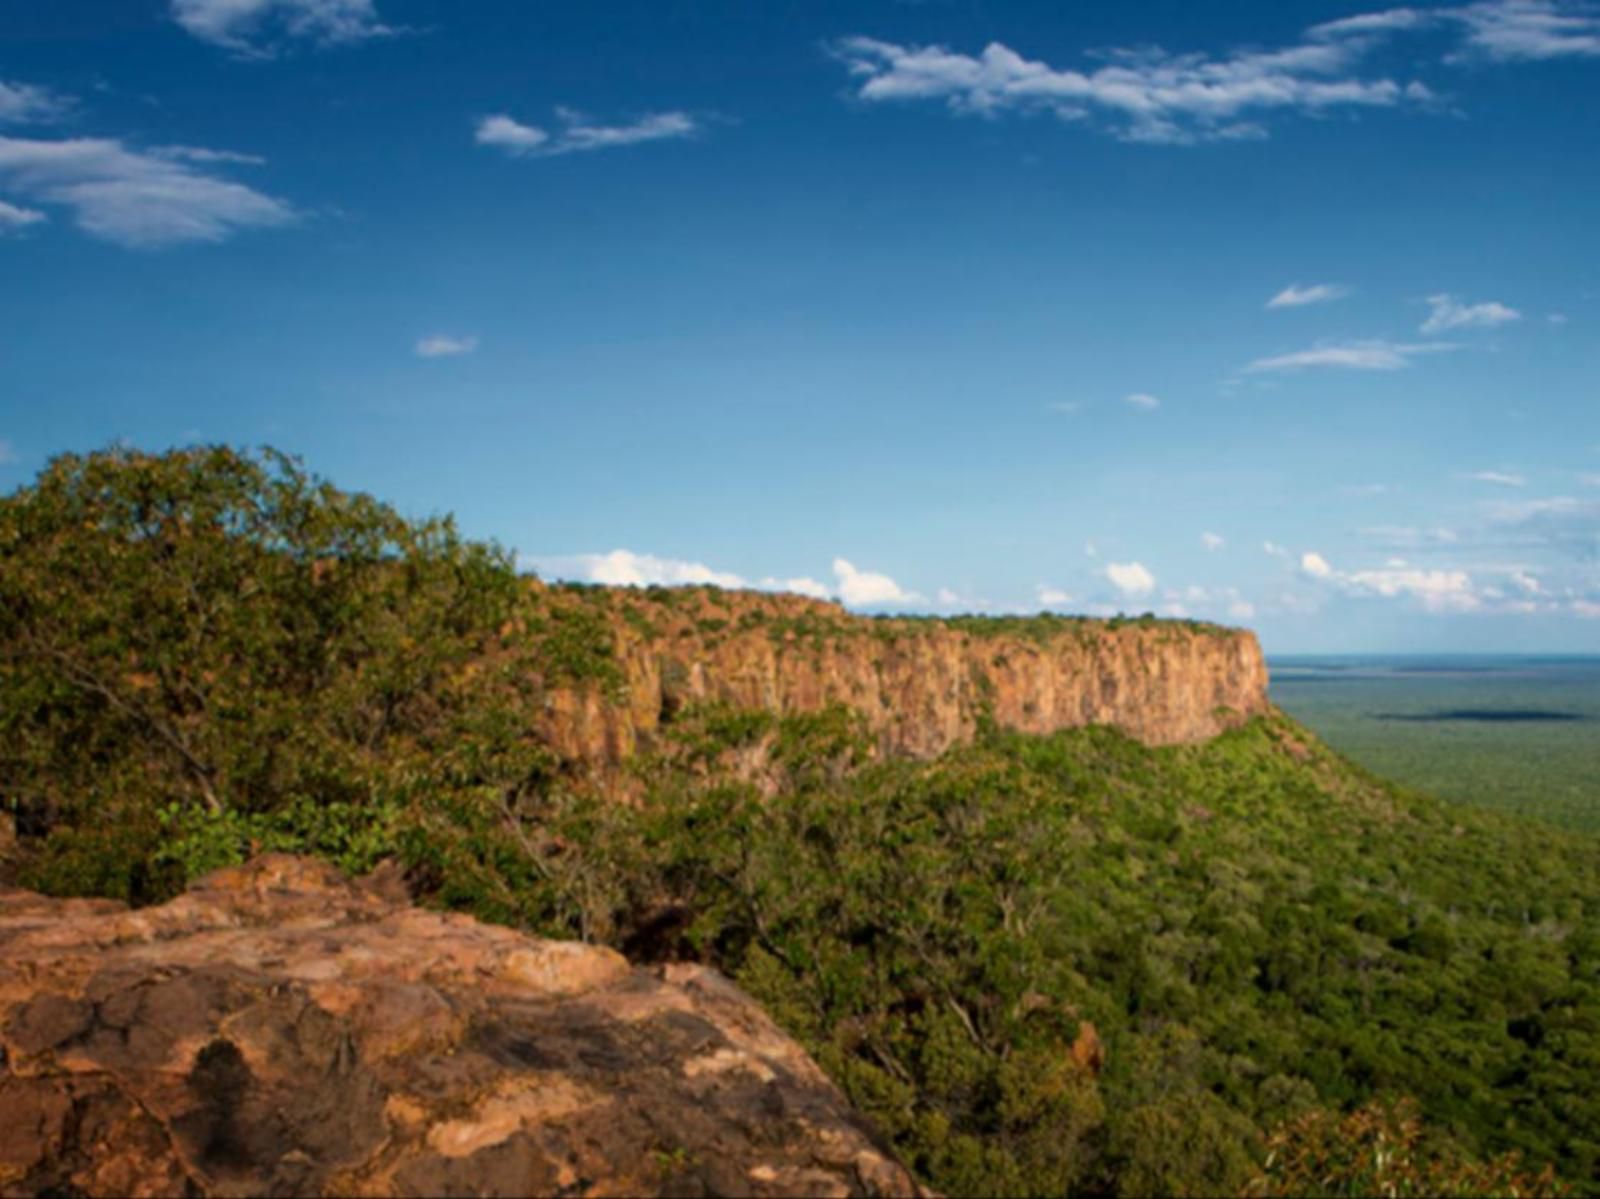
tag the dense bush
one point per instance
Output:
(1039, 964)
(207, 651)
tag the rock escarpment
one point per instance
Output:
(922, 685)
(278, 1030)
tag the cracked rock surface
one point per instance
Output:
(279, 1030)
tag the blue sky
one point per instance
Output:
(1278, 314)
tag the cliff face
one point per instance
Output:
(922, 685)
(281, 1031)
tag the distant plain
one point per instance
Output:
(1519, 734)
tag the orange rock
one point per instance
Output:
(1088, 1050)
(279, 1030)
(921, 684)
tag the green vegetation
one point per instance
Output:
(1443, 729)
(1038, 964)
(1382, 1149)
(207, 651)
(1045, 627)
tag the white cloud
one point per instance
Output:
(805, 585)
(1295, 296)
(1499, 478)
(1213, 541)
(1242, 610)
(24, 103)
(1365, 24)
(511, 136)
(8, 452)
(1557, 318)
(1145, 95)
(1355, 355)
(1315, 565)
(1507, 30)
(579, 133)
(1530, 30)
(1589, 480)
(1274, 549)
(256, 28)
(13, 218)
(860, 587)
(1435, 590)
(143, 200)
(441, 346)
(624, 568)
(1140, 399)
(1450, 313)
(1130, 578)
(1051, 597)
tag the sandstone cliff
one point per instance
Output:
(921, 684)
(280, 1031)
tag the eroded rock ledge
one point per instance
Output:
(279, 1030)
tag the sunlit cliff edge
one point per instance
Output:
(921, 684)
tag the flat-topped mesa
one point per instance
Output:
(921, 684)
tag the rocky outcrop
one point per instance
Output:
(278, 1030)
(922, 685)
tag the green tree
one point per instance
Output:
(206, 650)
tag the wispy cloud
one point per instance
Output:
(1353, 355)
(442, 346)
(1051, 597)
(1140, 399)
(208, 157)
(1530, 30)
(1152, 95)
(25, 103)
(1500, 478)
(1366, 24)
(1146, 95)
(578, 133)
(140, 199)
(1434, 590)
(8, 452)
(1450, 313)
(260, 28)
(13, 218)
(1295, 296)
(1213, 541)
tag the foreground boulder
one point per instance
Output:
(279, 1030)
